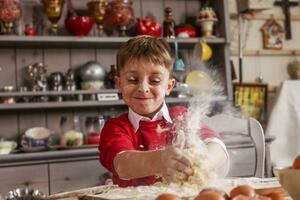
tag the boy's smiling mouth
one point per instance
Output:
(142, 98)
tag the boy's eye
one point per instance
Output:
(132, 80)
(155, 81)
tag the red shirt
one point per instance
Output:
(118, 135)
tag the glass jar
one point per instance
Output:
(110, 78)
(93, 126)
(120, 14)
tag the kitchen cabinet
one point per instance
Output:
(69, 176)
(51, 171)
(31, 176)
(62, 52)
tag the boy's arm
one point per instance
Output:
(164, 162)
(118, 155)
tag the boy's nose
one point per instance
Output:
(143, 87)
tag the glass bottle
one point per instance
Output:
(93, 127)
(110, 82)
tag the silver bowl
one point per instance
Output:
(25, 194)
(92, 71)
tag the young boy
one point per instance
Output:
(136, 146)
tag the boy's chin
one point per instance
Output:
(149, 113)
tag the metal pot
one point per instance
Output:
(92, 71)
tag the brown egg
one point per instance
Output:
(245, 190)
(256, 197)
(221, 192)
(275, 196)
(296, 163)
(209, 195)
(168, 196)
(242, 197)
(260, 197)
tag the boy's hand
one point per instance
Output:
(173, 164)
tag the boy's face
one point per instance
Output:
(144, 85)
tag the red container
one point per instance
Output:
(93, 138)
(79, 25)
(190, 30)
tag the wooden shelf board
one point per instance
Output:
(55, 93)
(74, 104)
(253, 52)
(86, 42)
(260, 16)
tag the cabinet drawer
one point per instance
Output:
(242, 162)
(34, 177)
(75, 175)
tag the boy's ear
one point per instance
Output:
(117, 82)
(171, 85)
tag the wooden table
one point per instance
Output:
(264, 186)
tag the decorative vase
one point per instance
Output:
(97, 9)
(207, 28)
(53, 10)
(10, 12)
(206, 51)
(207, 19)
(120, 14)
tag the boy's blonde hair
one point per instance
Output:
(153, 49)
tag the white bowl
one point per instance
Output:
(92, 85)
(7, 146)
(36, 137)
(38, 133)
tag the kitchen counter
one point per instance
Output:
(45, 157)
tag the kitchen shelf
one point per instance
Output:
(265, 52)
(86, 42)
(260, 16)
(54, 93)
(74, 104)
(84, 103)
